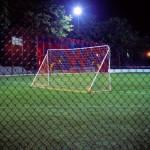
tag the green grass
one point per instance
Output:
(77, 82)
(37, 118)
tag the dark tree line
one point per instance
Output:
(50, 18)
(43, 17)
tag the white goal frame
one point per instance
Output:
(89, 89)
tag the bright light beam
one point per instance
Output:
(77, 11)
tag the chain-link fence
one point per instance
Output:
(78, 100)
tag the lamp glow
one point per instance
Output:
(77, 11)
(148, 54)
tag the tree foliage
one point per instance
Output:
(45, 17)
(4, 15)
(122, 38)
(84, 27)
(117, 31)
(51, 20)
(4, 23)
(125, 42)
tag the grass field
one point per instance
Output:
(37, 118)
(75, 82)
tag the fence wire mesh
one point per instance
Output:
(43, 118)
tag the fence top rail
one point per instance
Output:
(129, 70)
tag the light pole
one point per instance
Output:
(77, 11)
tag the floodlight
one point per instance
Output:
(148, 54)
(77, 11)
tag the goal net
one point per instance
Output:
(77, 70)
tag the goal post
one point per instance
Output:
(84, 69)
(99, 70)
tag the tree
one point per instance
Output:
(4, 23)
(116, 32)
(44, 17)
(86, 25)
(121, 37)
(4, 15)
(51, 20)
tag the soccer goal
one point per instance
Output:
(78, 70)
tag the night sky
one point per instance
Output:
(136, 11)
